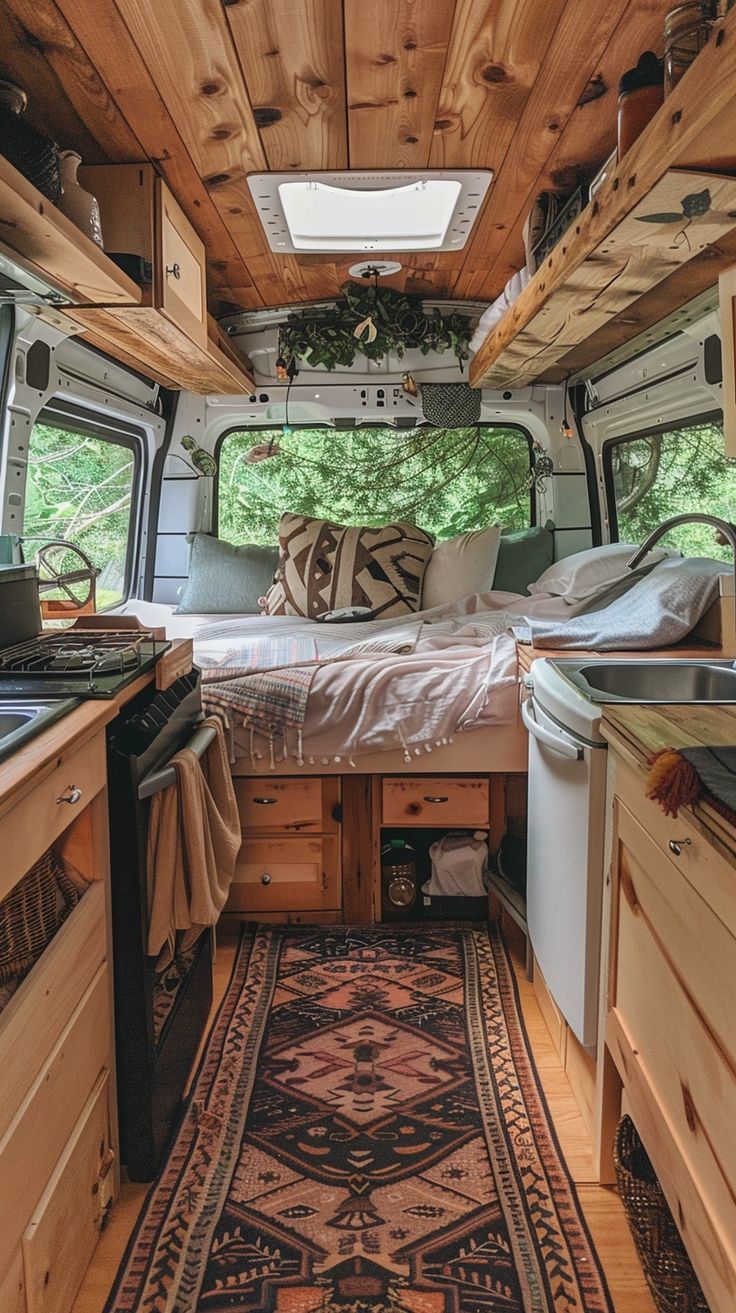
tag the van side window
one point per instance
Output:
(447, 481)
(83, 489)
(652, 476)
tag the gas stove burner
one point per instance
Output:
(92, 657)
(78, 663)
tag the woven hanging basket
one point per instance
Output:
(667, 1268)
(450, 405)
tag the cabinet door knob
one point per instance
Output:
(71, 795)
(676, 846)
(428, 797)
(265, 878)
(174, 270)
(265, 802)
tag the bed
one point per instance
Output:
(435, 691)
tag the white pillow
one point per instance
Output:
(586, 573)
(461, 566)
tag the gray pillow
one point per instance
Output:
(523, 555)
(224, 579)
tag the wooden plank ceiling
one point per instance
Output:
(211, 90)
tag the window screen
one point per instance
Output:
(654, 476)
(82, 489)
(447, 481)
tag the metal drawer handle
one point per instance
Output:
(265, 878)
(676, 846)
(72, 795)
(428, 797)
(265, 802)
(174, 270)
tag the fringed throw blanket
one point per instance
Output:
(366, 1134)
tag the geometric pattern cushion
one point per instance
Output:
(326, 566)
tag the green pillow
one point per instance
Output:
(224, 579)
(523, 555)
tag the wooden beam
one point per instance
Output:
(704, 98)
(357, 849)
(395, 54)
(292, 58)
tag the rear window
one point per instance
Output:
(653, 476)
(447, 481)
(82, 489)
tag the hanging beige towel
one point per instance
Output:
(193, 841)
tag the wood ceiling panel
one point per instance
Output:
(188, 49)
(292, 57)
(118, 61)
(567, 129)
(67, 98)
(395, 55)
(495, 54)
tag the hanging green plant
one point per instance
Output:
(375, 321)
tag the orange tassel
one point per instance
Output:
(672, 781)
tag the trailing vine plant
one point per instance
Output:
(376, 321)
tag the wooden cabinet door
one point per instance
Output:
(285, 875)
(179, 269)
(435, 800)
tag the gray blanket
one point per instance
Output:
(657, 610)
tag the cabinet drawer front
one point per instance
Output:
(33, 1144)
(294, 806)
(435, 801)
(286, 875)
(183, 287)
(29, 828)
(61, 1236)
(40, 1010)
(674, 967)
(681, 841)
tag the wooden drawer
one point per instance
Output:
(61, 1236)
(425, 800)
(36, 1138)
(288, 806)
(181, 289)
(274, 875)
(29, 828)
(671, 994)
(708, 869)
(42, 1007)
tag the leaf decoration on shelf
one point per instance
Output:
(375, 321)
(694, 206)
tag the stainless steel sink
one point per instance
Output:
(21, 720)
(652, 681)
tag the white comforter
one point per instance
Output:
(456, 672)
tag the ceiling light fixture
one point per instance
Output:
(369, 209)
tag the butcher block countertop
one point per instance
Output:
(637, 731)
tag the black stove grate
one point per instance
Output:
(79, 656)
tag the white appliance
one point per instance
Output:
(566, 824)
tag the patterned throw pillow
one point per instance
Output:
(326, 566)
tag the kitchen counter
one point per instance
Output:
(637, 731)
(681, 651)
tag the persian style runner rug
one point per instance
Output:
(366, 1135)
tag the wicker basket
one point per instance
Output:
(668, 1270)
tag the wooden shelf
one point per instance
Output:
(615, 272)
(51, 246)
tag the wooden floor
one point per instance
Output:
(600, 1205)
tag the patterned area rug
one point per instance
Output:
(367, 1135)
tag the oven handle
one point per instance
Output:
(165, 776)
(563, 747)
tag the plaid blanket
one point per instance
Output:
(271, 703)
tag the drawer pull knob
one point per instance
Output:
(265, 878)
(429, 797)
(676, 846)
(265, 802)
(72, 795)
(174, 270)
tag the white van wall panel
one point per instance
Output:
(167, 590)
(179, 505)
(569, 541)
(570, 494)
(172, 555)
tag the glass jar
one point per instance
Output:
(686, 31)
(640, 94)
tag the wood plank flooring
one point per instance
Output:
(600, 1205)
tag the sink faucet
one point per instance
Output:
(724, 527)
